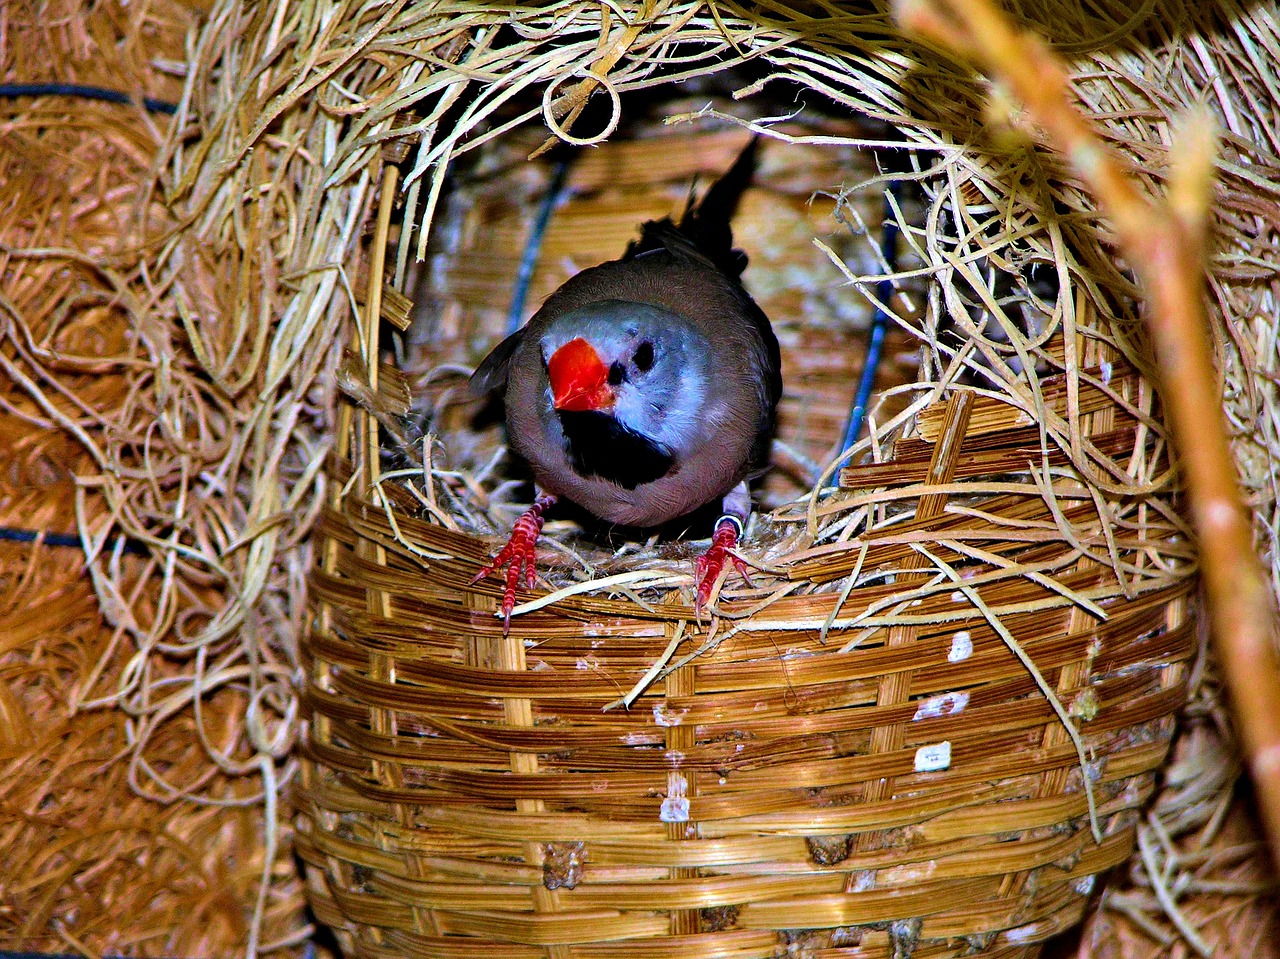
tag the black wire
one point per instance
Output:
(533, 246)
(880, 322)
(16, 535)
(82, 90)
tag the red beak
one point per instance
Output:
(579, 378)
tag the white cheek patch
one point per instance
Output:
(685, 415)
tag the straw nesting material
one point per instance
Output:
(772, 788)
(133, 805)
(1202, 883)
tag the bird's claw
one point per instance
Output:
(708, 566)
(518, 555)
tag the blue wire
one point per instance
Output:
(533, 247)
(879, 322)
(15, 535)
(82, 90)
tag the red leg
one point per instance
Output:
(518, 554)
(709, 564)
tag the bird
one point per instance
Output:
(644, 388)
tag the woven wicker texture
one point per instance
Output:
(471, 785)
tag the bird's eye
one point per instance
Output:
(643, 358)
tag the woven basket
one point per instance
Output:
(917, 788)
(855, 756)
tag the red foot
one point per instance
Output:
(709, 564)
(518, 554)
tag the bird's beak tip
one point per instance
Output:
(584, 399)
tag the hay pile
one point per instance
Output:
(228, 329)
(144, 730)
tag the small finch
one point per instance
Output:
(646, 387)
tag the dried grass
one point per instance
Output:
(237, 317)
(1202, 883)
(139, 738)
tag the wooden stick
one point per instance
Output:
(373, 318)
(1164, 241)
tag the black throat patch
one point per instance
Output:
(598, 445)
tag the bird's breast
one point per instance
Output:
(599, 446)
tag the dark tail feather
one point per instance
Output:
(707, 224)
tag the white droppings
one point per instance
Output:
(635, 739)
(961, 647)
(587, 662)
(915, 872)
(1022, 933)
(957, 597)
(723, 780)
(864, 881)
(737, 747)
(675, 808)
(1085, 885)
(930, 759)
(948, 704)
(530, 643)
(1085, 705)
(597, 643)
(674, 756)
(1105, 366)
(665, 716)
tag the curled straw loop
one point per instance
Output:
(553, 124)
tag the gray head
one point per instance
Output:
(644, 365)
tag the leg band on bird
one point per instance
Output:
(707, 568)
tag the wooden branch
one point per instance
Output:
(1164, 242)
